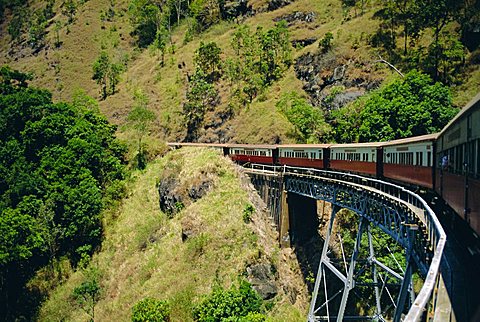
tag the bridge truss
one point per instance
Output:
(395, 211)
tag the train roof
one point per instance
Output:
(174, 144)
(251, 146)
(474, 103)
(303, 146)
(357, 145)
(413, 139)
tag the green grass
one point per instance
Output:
(143, 254)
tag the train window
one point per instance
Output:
(419, 158)
(429, 159)
(406, 158)
(478, 158)
(459, 158)
(320, 154)
(471, 157)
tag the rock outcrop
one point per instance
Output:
(331, 81)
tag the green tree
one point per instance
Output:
(410, 106)
(21, 237)
(56, 29)
(325, 43)
(161, 41)
(309, 122)
(57, 162)
(16, 25)
(36, 30)
(151, 310)
(107, 74)
(87, 295)
(114, 76)
(223, 304)
(200, 96)
(207, 59)
(140, 118)
(205, 13)
(146, 18)
(70, 9)
(101, 69)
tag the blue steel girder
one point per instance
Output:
(389, 214)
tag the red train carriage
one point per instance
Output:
(410, 160)
(458, 164)
(356, 157)
(243, 153)
(304, 155)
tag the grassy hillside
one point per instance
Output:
(68, 68)
(143, 254)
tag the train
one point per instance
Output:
(446, 163)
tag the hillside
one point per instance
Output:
(349, 70)
(180, 257)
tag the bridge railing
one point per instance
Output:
(434, 234)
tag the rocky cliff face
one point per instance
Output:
(332, 81)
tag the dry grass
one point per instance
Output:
(65, 69)
(143, 254)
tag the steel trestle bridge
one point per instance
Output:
(398, 213)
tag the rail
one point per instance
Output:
(433, 233)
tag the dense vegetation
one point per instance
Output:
(409, 106)
(59, 165)
(443, 55)
(235, 304)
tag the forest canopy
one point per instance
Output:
(57, 163)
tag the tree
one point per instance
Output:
(69, 10)
(179, 6)
(146, 18)
(261, 58)
(160, 43)
(36, 30)
(107, 74)
(309, 122)
(101, 69)
(140, 118)
(15, 27)
(151, 310)
(325, 43)
(207, 59)
(56, 29)
(114, 76)
(200, 96)
(229, 305)
(57, 162)
(87, 295)
(21, 237)
(411, 106)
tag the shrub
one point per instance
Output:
(326, 42)
(247, 213)
(221, 305)
(151, 310)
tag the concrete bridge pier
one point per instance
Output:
(298, 219)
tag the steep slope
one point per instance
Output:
(180, 256)
(353, 65)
